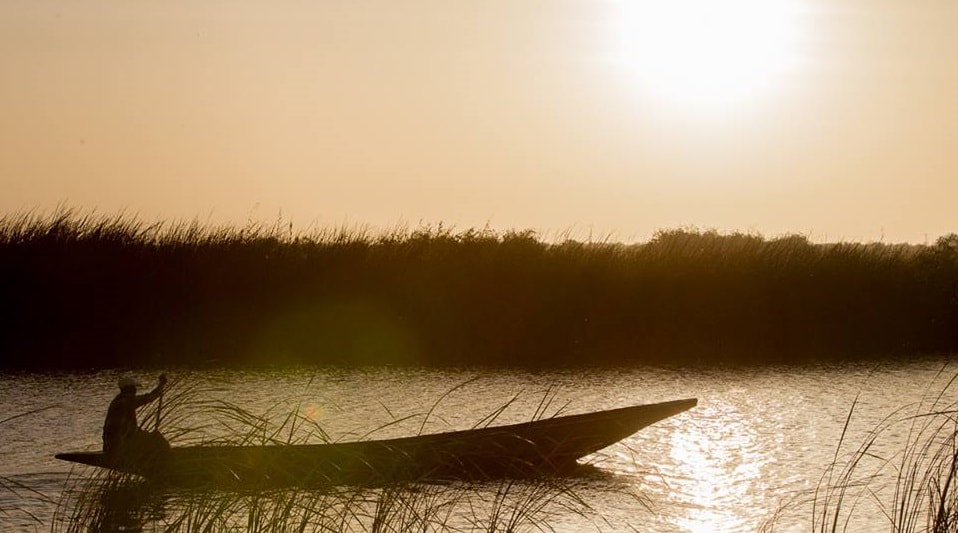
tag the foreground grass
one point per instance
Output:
(904, 472)
(16, 497)
(114, 503)
(108, 501)
(90, 291)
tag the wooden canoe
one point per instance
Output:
(550, 445)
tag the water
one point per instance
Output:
(754, 448)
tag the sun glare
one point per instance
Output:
(707, 53)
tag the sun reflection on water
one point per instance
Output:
(717, 467)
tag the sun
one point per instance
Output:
(707, 53)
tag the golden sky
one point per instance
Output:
(837, 119)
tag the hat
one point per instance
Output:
(127, 381)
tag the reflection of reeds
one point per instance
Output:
(119, 291)
(902, 473)
(108, 501)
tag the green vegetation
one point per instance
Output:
(89, 291)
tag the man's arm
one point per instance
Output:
(144, 399)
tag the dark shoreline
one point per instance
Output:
(88, 292)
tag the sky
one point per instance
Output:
(834, 119)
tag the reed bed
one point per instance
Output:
(101, 500)
(98, 291)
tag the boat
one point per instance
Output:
(545, 446)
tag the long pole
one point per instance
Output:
(159, 408)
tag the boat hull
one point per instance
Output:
(551, 445)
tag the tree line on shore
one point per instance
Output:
(86, 291)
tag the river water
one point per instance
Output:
(748, 457)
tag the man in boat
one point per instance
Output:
(121, 433)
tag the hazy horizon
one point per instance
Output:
(834, 120)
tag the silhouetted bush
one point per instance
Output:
(91, 291)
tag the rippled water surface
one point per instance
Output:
(747, 457)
